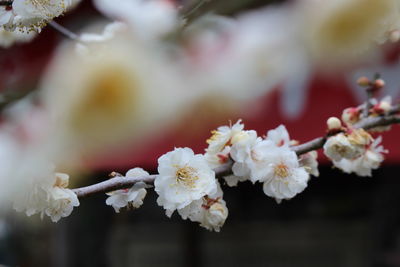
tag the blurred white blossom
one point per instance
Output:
(46, 195)
(8, 38)
(147, 19)
(118, 92)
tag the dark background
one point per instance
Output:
(339, 220)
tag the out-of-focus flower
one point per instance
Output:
(342, 31)
(148, 19)
(241, 58)
(61, 200)
(364, 164)
(210, 211)
(120, 92)
(132, 197)
(8, 38)
(183, 178)
(46, 195)
(109, 31)
(32, 15)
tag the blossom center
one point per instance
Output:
(281, 170)
(187, 176)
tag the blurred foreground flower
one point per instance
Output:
(8, 38)
(119, 91)
(343, 31)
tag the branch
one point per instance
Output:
(64, 31)
(126, 182)
(317, 143)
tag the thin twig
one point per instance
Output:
(64, 31)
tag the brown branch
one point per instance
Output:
(315, 144)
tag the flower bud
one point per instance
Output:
(394, 36)
(334, 123)
(379, 83)
(363, 81)
(385, 106)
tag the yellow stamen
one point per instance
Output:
(187, 176)
(281, 170)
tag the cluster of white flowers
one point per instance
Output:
(187, 183)
(272, 162)
(49, 196)
(355, 151)
(268, 160)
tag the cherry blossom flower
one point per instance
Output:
(210, 211)
(279, 136)
(364, 164)
(132, 197)
(183, 178)
(47, 196)
(339, 146)
(220, 142)
(242, 152)
(282, 175)
(310, 163)
(148, 20)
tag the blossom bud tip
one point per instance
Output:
(334, 123)
(363, 81)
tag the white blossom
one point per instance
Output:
(364, 164)
(343, 31)
(210, 211)
(241, 152)
(279, 136)
(9, 38)
(183, 178)
(351, 115)
(220, 142)
(310, 163)
(282, 175)
(47, 195)
(339, 146)
(132, 197)
(148, 19)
